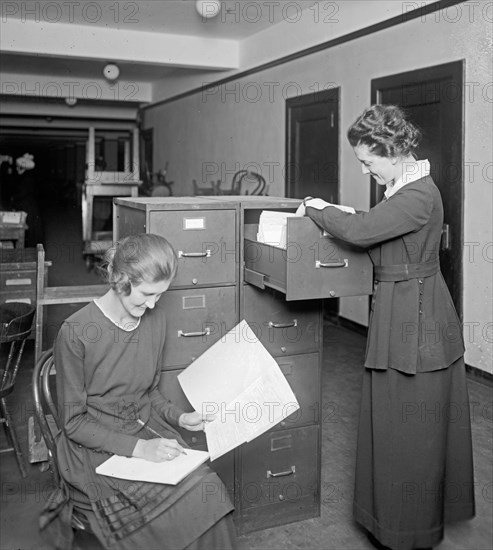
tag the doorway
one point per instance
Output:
(312, 153)
(433, 99)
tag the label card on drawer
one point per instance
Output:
(193, 223)
(239, 384)
(193, 302)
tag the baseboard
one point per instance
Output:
(346, 323)
(479, 375)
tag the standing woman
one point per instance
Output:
(414, 467)
(108, 357)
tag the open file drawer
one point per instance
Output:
(313, 265)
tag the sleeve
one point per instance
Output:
(77, 422)
(164, 408)
(403, 213)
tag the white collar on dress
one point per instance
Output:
(411, 171)
(128, 327)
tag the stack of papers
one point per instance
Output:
(240, 384)
(272, 228)
(170, 472)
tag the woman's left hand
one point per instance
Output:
(193, 421)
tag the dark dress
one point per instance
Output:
(414, 467)
(107, 379)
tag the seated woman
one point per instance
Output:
(108, 358)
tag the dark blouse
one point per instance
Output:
(413, 323)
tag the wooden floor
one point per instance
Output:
(22, 499)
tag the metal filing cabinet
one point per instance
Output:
(225, 276)
(202, 301)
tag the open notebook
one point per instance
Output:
(169, 472)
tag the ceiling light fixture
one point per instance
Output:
(111, 72)
(208, 8)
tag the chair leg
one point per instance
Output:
(10, 429)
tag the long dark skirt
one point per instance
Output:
(414, 468)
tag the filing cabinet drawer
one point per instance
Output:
(205, 242)
(303, 375)
(197, 318)
(279, 479)
(313, 265)
(284, 328)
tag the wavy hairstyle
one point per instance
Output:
(386, 131)
(138, 258)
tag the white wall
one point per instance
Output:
(208, 136)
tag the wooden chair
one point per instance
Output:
(246, 182)
(16, 319)
(47, 417)
(214, 189)
(46, 296)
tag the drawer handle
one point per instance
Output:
(205, 332)
(282, 474)
(340, 263)
(205, 254)
(294, 323)
(18, 282)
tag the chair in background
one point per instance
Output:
(16, 319)
(246, 182)
(47, 417)
(212, 190)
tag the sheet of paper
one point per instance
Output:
(238, 382)
(272, 228)
(169, 472)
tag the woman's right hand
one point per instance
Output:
(158, 449)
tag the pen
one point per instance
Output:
(139, 421)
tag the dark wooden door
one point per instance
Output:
(146, 153)
(433, 99)
(312, 151)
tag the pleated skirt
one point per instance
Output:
(414, 465)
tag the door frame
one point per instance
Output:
(313, 98)
(455, 71)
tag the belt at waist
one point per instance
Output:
(404, 272)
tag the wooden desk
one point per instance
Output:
(13, 232)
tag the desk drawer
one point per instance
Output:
(18, 280)
(312, 266)
(197, 318)
(205, 242)
(284, 328)
(279, 477)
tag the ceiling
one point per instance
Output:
(238, 18)
(236, 21)
(50, 46)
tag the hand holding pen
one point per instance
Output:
(157, 449)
